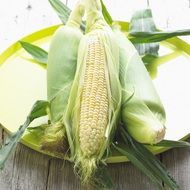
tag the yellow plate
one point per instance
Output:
(22, 82)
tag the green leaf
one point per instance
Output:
(148, 37)
(63, 11)
(142, 21)
(39, 109)
(144, 160)
(136, 161)
(102, 179)
(36, 52)
(106, 14)
(172, 144)
(149, 58)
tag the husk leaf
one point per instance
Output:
(61, 67)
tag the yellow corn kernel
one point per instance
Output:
(94, 100)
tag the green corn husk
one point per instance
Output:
(86, 162)
(61, 68)
(142, 111)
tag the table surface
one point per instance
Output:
(29, 170)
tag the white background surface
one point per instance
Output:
(21, 17)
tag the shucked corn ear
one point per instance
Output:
(142, 111)
(61, 68)
(95, 99)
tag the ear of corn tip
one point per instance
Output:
(142, 124)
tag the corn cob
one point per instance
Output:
(95, 99)
(142, 111)
(61, 68)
